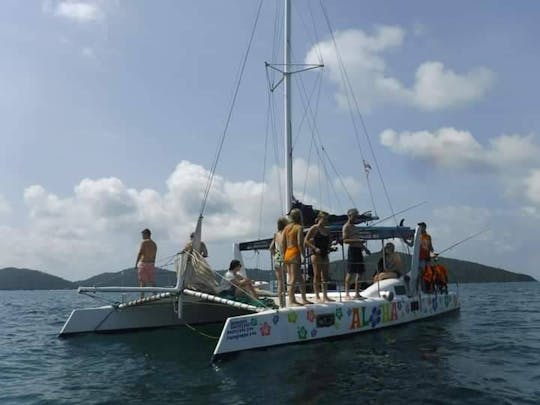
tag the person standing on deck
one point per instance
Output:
(355, 259)
(277, 255)
(426, 249)
(145, 262)
(318, 239)
(293, 246)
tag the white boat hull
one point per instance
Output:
(154, 314)
(319, 321)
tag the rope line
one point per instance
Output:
(229, 115)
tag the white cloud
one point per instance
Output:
(449, 147)
(96, 228)
(532, 187)
(78, 10)
(5, 207)
(436, 86)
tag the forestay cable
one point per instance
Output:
(233, 102)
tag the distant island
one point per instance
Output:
(460, 271)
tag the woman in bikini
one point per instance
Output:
(318, 239)
(277, 254)
(293, 246)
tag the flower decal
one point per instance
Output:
(375, 317)
(339, 313)
(310, 315)
(313, 332)
(275, 319)
(292, 317)
(302, 333)
(265, 329)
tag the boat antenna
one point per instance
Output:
(462, 240)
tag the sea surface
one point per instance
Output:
(488, 353)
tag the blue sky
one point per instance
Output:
(111, 112)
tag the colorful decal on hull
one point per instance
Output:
(302, 333)
(292, 317)
(265, 329)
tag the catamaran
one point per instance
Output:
(195, 298)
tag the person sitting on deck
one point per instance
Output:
(235, 284)
(389, 267)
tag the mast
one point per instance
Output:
(287, 109)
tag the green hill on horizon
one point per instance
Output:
(12, 278)
(460, 271)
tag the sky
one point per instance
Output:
(112, 112)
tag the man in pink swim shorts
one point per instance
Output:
(145, 260)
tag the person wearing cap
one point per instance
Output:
(391, 266)
(426, 249)
(145, 262)
(355, 258)
(189, 246)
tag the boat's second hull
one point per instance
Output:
(156, 314)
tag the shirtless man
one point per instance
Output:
(354, 254)
(145, 262)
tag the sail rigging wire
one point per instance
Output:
(357, 109)
(462, 240)
(315, 132)
(265, 155)
(316, 135)
(229, 115)
(350, 94)
(399, 212)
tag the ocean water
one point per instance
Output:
(489, 352)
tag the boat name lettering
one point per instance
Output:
(389, 312)
(240, 329)
(358, 319)
(325, 320)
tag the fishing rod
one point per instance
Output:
(461, 241)
(399, 212)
